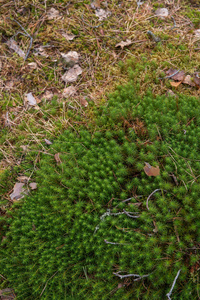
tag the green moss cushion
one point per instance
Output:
(100, 228)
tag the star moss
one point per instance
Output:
(78, 237)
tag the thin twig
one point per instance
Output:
(25, 34)
(152, 35)
(174, 23)
(173, 284)
(112, 243)
(130, 275)
(176, 72)
(47, 282)
(152, 195)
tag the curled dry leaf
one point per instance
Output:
(123, 44)
(162, 13)
(151, 171)
(72, 74)
(18, 191)
(69, 91)
(13, 45)
(33, 185)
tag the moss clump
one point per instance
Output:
(75, 236)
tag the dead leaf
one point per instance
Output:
(175, 84)
(33, 185)
(189, 80)
(197, 81)
(69, 91)
(53, 14)
(48, 142)
(72, 74)
(83, 102)
(23, 179)
(41, 51)
(178, 75)
(68, 36)
(18, 191)
(57, 158)
(162, 13)
(95, 4)
(123, 44)
(151, 171)
(48, 95)
(13, 45)
(32, 65)
(30, 99)
(102, 14)
(70, 59)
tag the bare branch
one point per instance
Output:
(173, 284)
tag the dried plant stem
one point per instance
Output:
(173, 284)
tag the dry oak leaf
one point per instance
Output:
(151, 171)
(53, 14)
(123, 44)
(23, 179)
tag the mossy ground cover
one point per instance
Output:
(75, 237)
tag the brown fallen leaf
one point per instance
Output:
(33, 185)
(13, 45)
(48, 142)
(72, 74)
(57, 158)
(23, 179)
(69, 91)
(18, 191)
(123, 44)
(175, 84)
(68, 36)
(197, 81)
(151, 171)
(189, 80)
(83, 102)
